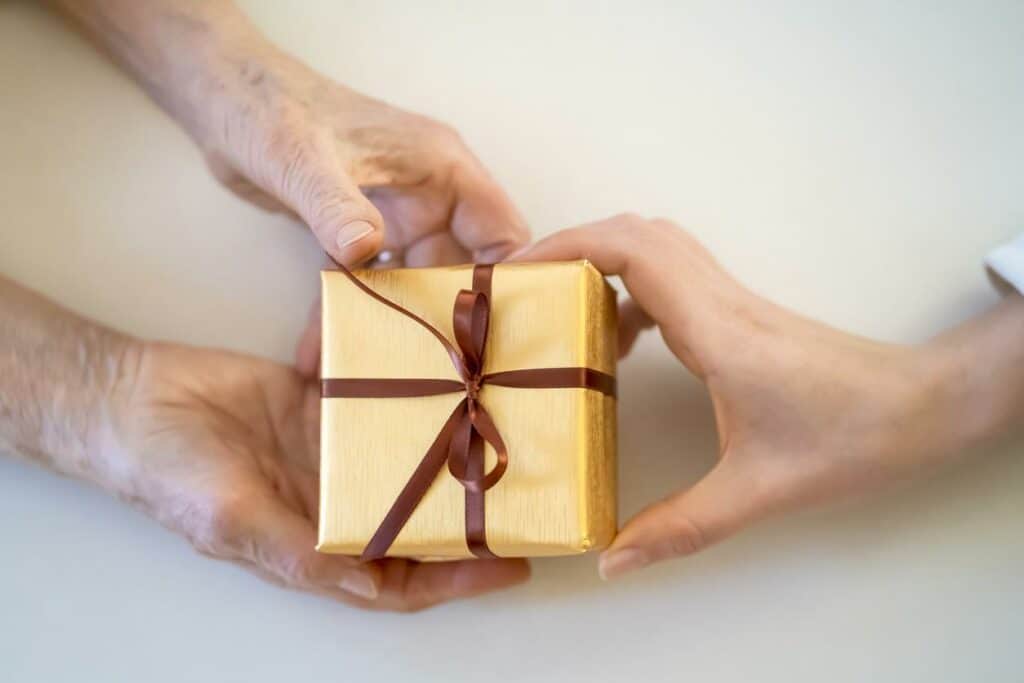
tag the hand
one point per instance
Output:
(286, 138)
(223, 449)
(805, 413)
(362, 174)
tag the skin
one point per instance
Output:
(221, 447)
(217, 446)
(805, 413)
(363, 175)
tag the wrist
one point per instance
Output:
(240, 87)
(945, 423)
(979, 367)
(213, 71)
(58, 375)
(102, 461)
(185, 55)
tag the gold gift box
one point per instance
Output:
(557, 496)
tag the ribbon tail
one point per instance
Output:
(414, 490)
(466, 464)
(476, 527)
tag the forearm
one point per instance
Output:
(983, 366)
(183, 53)
(57, 374)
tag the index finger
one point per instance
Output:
(485, 222)
(648, 255)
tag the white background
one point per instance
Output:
(851, 160)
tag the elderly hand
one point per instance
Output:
(223, 449)
(805, 413)
(361, 174)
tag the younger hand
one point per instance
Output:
(805, 413)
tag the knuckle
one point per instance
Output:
(573, 234)
(446, 147)
(326, 203)
(221, 169)
(628, 220)
(217, 530)
(330, 208)
(274, 579)
(291, 158)
(444, 133)
(686, 537)
(296, 571)
(418, 597)
(662, 225)
(632, 234)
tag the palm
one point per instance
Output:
(222, 435)
(802, 410)
(227, 446)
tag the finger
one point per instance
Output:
(485, 222)
(307, 351)
(283, 543)
(647, 254)
(606, 243)
(632, 321)
(436, 249)
(655, 259)
(312, 181)
(718, 505)
(411, 586)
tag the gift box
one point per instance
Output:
(468, 411)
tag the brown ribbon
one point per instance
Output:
(461, 440)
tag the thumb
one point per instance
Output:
(348, 226)
(715, 507)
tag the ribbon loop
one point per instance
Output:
(470, 319)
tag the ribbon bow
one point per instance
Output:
(461, 440)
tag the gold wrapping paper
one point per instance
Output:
(558, 494)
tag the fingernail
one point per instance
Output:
(360, 585)
(616, 563)
(352, 233)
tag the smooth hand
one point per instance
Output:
(805, 413)
(223, 449)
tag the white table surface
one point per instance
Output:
(852, 160)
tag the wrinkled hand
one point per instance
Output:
(223, 449)
(805, 413)
(361, 174)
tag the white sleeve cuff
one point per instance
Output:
(1007, 262)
